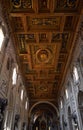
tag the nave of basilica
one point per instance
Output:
(41, 65)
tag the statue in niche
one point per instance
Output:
(3, 104)
(75, 121)
(16, 122)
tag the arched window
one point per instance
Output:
(70, 119)
(61, 104)
(63, 124)
(26, 105)
(66, 92)
(14, 76)
(21, 96)
(1, 37)
(75, 74)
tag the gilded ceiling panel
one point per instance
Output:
(59, 67)
(42, 89)
(44, 56)
(28, 70)
(68, 23)
(21, 5)
(26, 38)
(43, 37)
(43, 6)
(17, 24)
(62, 57)
(61, 37)
(43, 33)
(23, 40)
(56, 37)
(44, 23)
(66, 5)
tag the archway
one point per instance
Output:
(63, 123)
(44, 102)
(80, 104)
(70, 119)
(43, 116)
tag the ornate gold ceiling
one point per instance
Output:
(44, 32)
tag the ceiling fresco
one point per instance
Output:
(44, 31)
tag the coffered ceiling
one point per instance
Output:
(44, 32)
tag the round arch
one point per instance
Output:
(45, 102)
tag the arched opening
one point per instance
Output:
(63, 123)
(43, 117)
(70, 119)
(80, 104)
(3, 35)
(3, 104)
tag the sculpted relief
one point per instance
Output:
(22, 4)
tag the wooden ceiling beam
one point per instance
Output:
(21, 14)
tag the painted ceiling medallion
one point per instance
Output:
(43, 55)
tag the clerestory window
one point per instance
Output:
(26, 104)
(14, 76)
(75, 74)
(1, 38)
(66, 92)
(61, 104)
(22, 91)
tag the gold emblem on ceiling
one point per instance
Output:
(43, 55)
